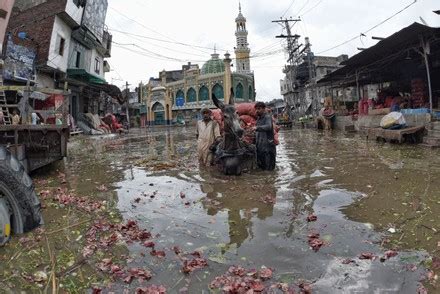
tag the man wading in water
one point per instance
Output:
(208, 136)
(266, 149)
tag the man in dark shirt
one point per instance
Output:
(266, 149)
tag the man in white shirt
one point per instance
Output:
(208, 135)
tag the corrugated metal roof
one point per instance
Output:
(402, 40)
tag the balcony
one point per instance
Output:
(107, 43)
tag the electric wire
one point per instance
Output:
(370, 29)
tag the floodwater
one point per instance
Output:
(368, 197)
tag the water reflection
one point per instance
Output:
(242, 203)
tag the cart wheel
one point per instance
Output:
(20, 204)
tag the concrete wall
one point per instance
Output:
(60, 30)
(373, 121)
(40, 31)
(5, 5)
(94, 54)
(74, 11)
(45, 81)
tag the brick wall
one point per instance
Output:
(38, 23)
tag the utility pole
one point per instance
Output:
(293, 53)
(127, 103)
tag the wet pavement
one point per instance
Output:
(367, 197)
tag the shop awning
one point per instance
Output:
(83, 75)
(382, 55)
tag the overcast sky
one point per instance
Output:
(169, 33)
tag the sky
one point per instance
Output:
(151, 35)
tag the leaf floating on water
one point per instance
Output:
(312, 218)
(367, 255)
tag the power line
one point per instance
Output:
(305, 4)
(313, 7)
(370, 29)
(135, 21)
(290, 6)
(162, 40)
(152, 54)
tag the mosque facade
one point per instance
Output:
(177, 96)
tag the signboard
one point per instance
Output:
(19, 62)
(94, 16)
(180, 101)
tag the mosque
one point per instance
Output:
(179, 95)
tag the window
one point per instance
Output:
(79, 3)
(61, 43)
(97, 66)
(78, 59)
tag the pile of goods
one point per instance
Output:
(248, 119)
(393, 121)
(418, 93)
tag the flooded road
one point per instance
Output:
(367, 197)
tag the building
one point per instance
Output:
(59, 42)
(277, 106)
(5, 9)
(179, 95)
(299, 86)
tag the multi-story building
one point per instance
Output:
(299, 86)
(62, 41)
(5, 14)
(179, 95)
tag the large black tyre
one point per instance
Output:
(17, 189)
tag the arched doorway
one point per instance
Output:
(218, 91)
(180, 98)
(158, 113)
(203, 93)
(191, 95)
(239, 91)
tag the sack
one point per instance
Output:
(392, 119)
(248, 120)
(246, 109)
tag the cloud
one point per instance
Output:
(205, 23)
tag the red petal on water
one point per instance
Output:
(187, 203)
(312, 218)
(190, 266)
(258, 287)
(347, 261)
(237, 270)
(153, 289)
(390, 253)
(182, 195)
(305, 288)
(366, 255)
(96, 290)
(265, 274)
(149, 244)
(128, 279)
(137, 200)
(313, 236)
(196, 254)
(177, 250)
(422, 290)
(316, 244)
(158, 253)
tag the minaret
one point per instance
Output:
(242, 50)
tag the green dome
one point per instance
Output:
(214, 65)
